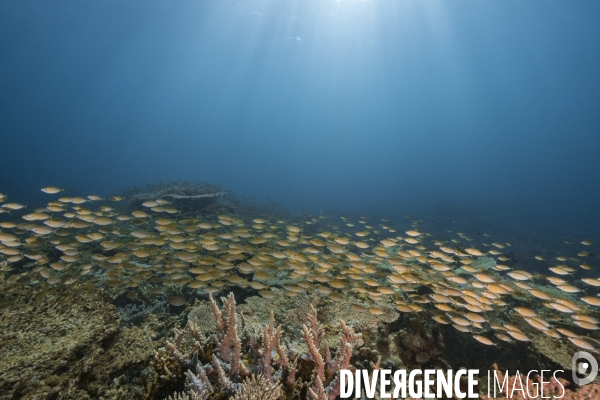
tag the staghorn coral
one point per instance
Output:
(186, 344)
(198, 385)
(348, 340)
(165, 366)
(265, 344)
(227, 339)
(313, 338)
(225, 365)
(261, 351)
(270, 341)
(225, 380)
(317, 391)
(258, 388)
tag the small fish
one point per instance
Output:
(517, 335)
(503, 337)
(484, 340)
(520, 275)
(569, 288)
(581, 342)
(593, 301)
(52, 190)
(13, 206)
(586, 325)
(177, 301)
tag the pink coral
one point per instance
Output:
(270, 341)
(313, 337)
(229, 345)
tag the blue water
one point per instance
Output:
(482, 111)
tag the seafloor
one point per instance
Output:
(88, 347)
(158, 340)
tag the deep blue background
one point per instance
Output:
(485, 110)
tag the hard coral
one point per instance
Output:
(258, 388)
(313, 337)
(257, 354)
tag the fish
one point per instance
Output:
(593, 301)
(582, 343)
(484, 340)
(177, 301)
(52, 189)
(526, 312)
(559, 271)
(13, 206)
(362, 265)
(517, 335)
(587, 325)
(520, 275)
(591, 281)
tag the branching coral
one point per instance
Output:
(185, 345)
(228, 342)
(274, 363)
(258, 388)
(313, 337)
(270, 342)
(225, 365)
(197, 385)
(225, 380)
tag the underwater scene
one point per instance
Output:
(299, 199)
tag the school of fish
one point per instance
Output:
(77, 244)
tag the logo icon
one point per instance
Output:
(584, 363)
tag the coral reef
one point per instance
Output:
(134, 314)
(192, 199)
(219, 356)
(56, 346)
(87, 302)
(258, 388)
(52, 346)
(217, 364)
(413, 342)
(293, 312)
(313, 338)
